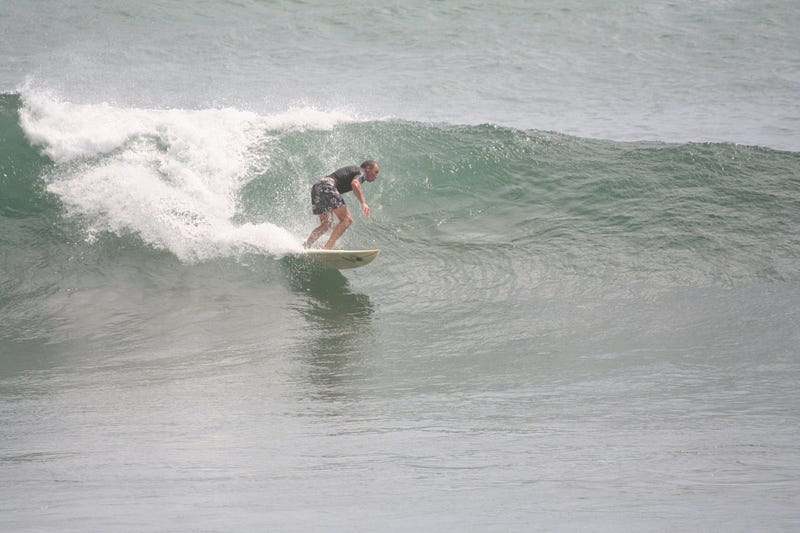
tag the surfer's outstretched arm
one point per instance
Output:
(360, 195)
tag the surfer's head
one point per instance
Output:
(371, 170)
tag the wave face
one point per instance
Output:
(223, 182)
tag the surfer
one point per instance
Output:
(326, 199)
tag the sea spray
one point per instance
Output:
(170, 176)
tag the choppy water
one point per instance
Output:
(584, 315)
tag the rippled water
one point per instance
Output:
(594, 332)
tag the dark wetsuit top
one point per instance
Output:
(344, 178)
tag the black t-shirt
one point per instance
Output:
(344, 178)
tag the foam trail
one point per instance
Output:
(170, 176)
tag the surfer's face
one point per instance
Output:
(371, 173)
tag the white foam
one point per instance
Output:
(170, 176)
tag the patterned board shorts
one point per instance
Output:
(325, 197)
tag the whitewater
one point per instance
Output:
(584, 315)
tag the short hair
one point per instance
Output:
(369, 163)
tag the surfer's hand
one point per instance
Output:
(365, 208)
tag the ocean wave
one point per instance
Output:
(222, 183)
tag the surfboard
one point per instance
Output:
(340, 259)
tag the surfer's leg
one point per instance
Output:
(326, 221)
(343, 214)
(324, 200)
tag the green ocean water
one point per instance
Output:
(584, 315)
(666, 215)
